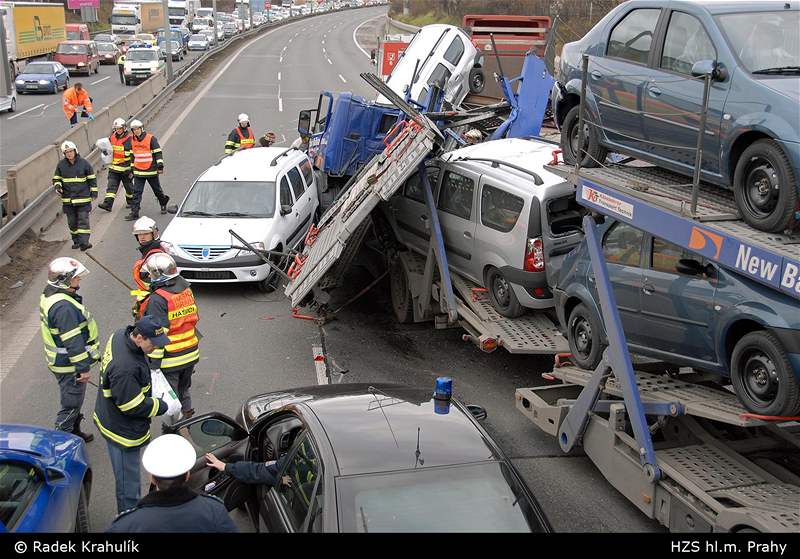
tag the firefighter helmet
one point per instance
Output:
(118, 123)
(67, 145)
(145, 225)
(62, 270)
(136, 124)
(160, 267)
(242, 118)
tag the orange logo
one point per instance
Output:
(702, 239)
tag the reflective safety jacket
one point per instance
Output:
(72, 99)
(142, 291)
(68, 331)
(122, 152)
(125, 405)
(147, 158)
(240, 138)
(121, 60)
(76, 180)
(174, 306)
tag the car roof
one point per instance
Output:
(726, 6)
(253, 164)
(380, 427)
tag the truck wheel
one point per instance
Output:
(82, 514)
(477, 81)
(584, 336)
(401, 293)
(502, 295)
(765, 187)
(594, 153)
(762, 376)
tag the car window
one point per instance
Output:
(632, 37)
(456, 195)
(299, 495)
(664, 256)
(297, 183)
(686, 43)
(455, 51)
(19, 484)
(439, 76)
(499, 209)
(413, 187)
(623, 245)
(286, 193)
(308, 172)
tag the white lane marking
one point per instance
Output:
(280, 60)
(279, 76)
(280, 104)
(324, 51)
(25, 112)
(341, 77)
(323, 41)
(101, 80)
(356, 31)
(329, 62)
(319, 364)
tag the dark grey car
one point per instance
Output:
(645, 96)
(678, 307)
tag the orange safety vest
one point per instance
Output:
(182, 348)
(142, 154)
(119, 163)
(137, 266)
(249, 141)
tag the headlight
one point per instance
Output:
(81, 64)
(245, 252)
(21, 82)
(44, 82)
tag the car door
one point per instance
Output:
(617, 79)
(303, 206)
(411, 212)
(677, 307)
(288, 216)
(673, 99)
(622, 247)
(457, 209)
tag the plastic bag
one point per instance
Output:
(163, 390)
(106, 151)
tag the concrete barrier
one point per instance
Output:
(119, 109)
(79, 137)
(138, 98)
(29, 178)
(100, 127)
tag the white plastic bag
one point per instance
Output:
(163, 390)
(106, 151)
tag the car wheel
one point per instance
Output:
(764, 186)
(66, 84)
(13, 106)
(584, 337)
(594, 153)
(502, 295)
(401, 293)
(273, 279)
(82, 514)
(477, 80)
(762, 376)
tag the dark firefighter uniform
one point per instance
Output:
(77, 184)
(119, 170)
(123, 411)
(177, 509)
(70, 341)
(172, 304)
(240, 138)
(147, 163)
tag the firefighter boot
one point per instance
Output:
(164, 202)
(76, 430)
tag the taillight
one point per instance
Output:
(534, 255)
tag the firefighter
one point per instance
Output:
(74, 180)
(172, 303)
(125, 404)
(148, 163)
(146, 232)
(120, 168)
(173, 506)
(70, 340)
(74, 98)
(240, 137)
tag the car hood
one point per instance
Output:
(71, 58)
(208, 231)
(30, 439)
(787, 86)
(35, 76)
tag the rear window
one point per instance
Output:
(308, 173)
(500, 209)
(564, 216)
(455, 51)
(456, 195)
(632, 38)
(439, 76)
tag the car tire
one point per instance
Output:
(584, 335)
(66, 84)
(273, 279)
(399, 288)
(763, 169)
(13, 106)
(762, 376)
(477, 80)
(82, 514)
(502, 295)
(595, 154)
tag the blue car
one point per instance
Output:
(45, 480)
(46, 77)
(677, 307)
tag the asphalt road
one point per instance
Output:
(251, 343)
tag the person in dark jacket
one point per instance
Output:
(125, 404)
(173, 506)
(259, 473)
(240, 137)
(74, 180)
(70, 340)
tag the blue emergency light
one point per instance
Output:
(444, 388)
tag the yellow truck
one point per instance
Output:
(32, 29)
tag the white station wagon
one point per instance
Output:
(268, 196)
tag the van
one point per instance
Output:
(78, 56)
(77, 32)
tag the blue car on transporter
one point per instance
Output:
(45, 480)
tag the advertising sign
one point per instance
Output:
(78, 4)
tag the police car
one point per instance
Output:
(142, 61)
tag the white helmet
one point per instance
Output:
(169, 456)
(145, 225)
(243, 118)
(136, 124)
(118, 123)
(68, 145)
(61, 271)
(160, 267)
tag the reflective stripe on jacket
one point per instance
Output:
(77, 181)
(147, 158)
(238, 140)
(175, 308)
(121, 147)
(69, 332)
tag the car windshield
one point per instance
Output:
(766, 42)
(38, 68)
(123, 20)
(470, 498)
(230, 199)
(71, 49)
(105, 47)
(104, 38)
(137, 55)
(74, 35)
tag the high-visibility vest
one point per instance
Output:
(53, 338)
(246, 142)
(137, 266)
(142, 154)
(182, 348)
(120, 161)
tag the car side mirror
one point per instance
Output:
(690, 267)
(478, 412)
(711, 68)
(285, 209)
(55, 476)
(304, 123)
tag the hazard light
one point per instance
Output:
(534, 255)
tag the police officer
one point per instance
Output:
(74, 180)
(173, 506)
(261, 473)
(240, 137)
(121, 68)
(171, 302)
(70, 340)
(119, 171)
(125, 405)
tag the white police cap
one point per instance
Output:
(169, 456)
